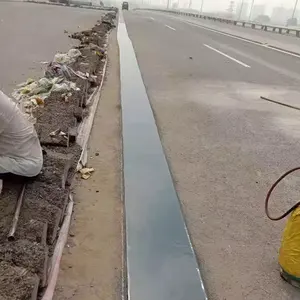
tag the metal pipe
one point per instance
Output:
(11, 234)
(295, 7)
(280, 103)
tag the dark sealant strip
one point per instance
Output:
(161, 263)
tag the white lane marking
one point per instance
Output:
(237, 37)
(151, 18)
(170, 27)
(226, 55)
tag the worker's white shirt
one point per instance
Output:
(20, 150)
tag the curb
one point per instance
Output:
(85, 129)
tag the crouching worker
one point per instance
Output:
(20, 149)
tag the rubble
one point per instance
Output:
(86, 173)
(57, 104)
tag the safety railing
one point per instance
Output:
(253, 25)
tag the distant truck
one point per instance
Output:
(292, 22)
(262, 19)
(125, 5)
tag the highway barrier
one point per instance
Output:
(266, 27)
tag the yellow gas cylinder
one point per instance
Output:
(289, 254)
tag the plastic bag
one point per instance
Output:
(64, 87)
(289, 254)
(43, 86)
(67, 58)
(57, 70)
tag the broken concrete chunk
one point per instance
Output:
(86, 173)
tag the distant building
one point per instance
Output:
(242, 11)
(230, 10)
(174, 5)
(280, 15)
(258, 10)
(79, 2)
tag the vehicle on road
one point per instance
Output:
(125, 5)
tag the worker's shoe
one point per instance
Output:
(290, 279)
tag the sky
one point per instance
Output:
(222, 5)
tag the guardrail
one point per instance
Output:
(253, 25)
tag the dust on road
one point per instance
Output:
(33, 33)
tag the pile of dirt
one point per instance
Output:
(19, 253)
(42, 191)
(58, 111)
(17, 283)
(32, 230)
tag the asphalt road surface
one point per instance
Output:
(288, 42)
(225, 146)
(34, 33)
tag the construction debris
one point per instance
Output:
(86, 173)
(67, 58)
(57, 104)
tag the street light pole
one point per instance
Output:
(251, 10)
(294, 11)
(190, 4)
(168, 4)
(201, 9)
(240, 14)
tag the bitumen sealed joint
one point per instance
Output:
(161, 262)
